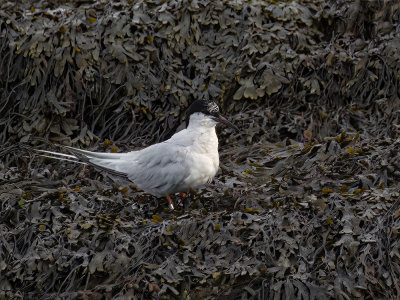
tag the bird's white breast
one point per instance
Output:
(202, 151)
(204, 159)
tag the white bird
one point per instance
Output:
(186, 161)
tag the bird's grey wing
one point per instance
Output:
(161, 168)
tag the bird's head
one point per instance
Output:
(209, 109)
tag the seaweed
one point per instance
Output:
(306, 204)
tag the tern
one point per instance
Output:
(188, 160)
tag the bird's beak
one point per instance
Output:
(221, 119)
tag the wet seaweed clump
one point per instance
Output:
(306, 204)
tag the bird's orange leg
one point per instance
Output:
(183, 195)
(171, 206)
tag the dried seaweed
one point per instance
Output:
(307, 201)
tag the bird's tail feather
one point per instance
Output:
(103, 161)
(56, 153)
(90, 154)
(64, 159)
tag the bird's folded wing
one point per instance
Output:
(160, 169)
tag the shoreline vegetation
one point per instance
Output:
(306, 204)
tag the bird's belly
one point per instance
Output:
(203, 169)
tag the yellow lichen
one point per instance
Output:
(107, 143)
(156, 219)
(326, 191)
(92, 20)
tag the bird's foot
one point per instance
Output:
(171, 205)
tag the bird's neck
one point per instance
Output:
(203, 129)
(199, 121)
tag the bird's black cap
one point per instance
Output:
(209, 108)
(205, 107)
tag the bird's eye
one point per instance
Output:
(212, 107)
